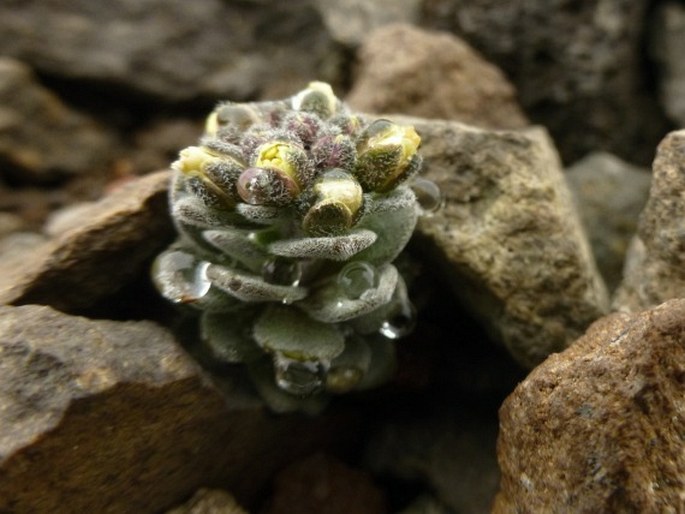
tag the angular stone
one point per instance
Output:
(667, 42)
(655, 264)
(210, 49)
(209, 501)
(578, 67)
(599, 427)
(321, 484)
(508, 239)
(99, 248)
(610, 194)
(404, 69)
(351, 21)
(106, 416)
(42, 139)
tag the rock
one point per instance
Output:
(99, 249)
(210, 49)
(456, 461)
(42, 139)
(508, 239)
(158, 144)
(578, 67)
(350, 21)
(667, 43)
(210, 501)
(106, 416)
(655, 264)
(408, 70)
(322, 484)
(598, 428)
(610, 194)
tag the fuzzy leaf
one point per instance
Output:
(262, 214)
(191, 211)
(348, 369)
(330, 304)
(236, 244)
(251, 288)
(336, 248)
(226, 337)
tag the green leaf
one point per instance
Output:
(228, 336)
(337, 248)
(251, 288)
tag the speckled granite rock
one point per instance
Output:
(42, 139)
(578, 67)
(404, 69)
(113, 417)
(209, 501)
(598, 427)
(172, 49)
(610, 195)
(667, 43)
(99, 248)
(655, 264)
(508, 239)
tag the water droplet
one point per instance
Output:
(400, 322)
(356, 278)
(282, 271)
(181, 276)
(301, 378)
(342, 379)
(428, 195)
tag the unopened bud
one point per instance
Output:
(337, 206)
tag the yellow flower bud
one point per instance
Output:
(286, 157)
(338, 202)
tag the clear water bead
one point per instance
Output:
(282, 271)
(400, 322)
(428, 195)
(181, 276)
(301, 378)
(356, 278)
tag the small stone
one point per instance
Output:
(655, 264)
(508, 238)
(598, 427)
(321, 484)
(210, 501)
(404, 69)
(42, 139)
(97, 251)
(610, 194)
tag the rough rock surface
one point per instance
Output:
(404, 69)
(351, 21)
(322, 484)
(610, 195)
(209, 501)
(456, 460)
(113, 417)
(508, 236)
(42, 139)
(106, 244)
(598, 428)
(175, 50)
(577, 66)
(667, 43)
(655, 264)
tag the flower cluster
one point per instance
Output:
(290, 214)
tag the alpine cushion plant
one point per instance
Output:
(290, 214)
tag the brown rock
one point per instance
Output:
(40, 137)
(655, 264)
(404, 69)
(113, 417)
(508, 239)
(97, 251)
(323, 485)
(598, 428)
(210, 501)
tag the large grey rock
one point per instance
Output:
(667, 43)
(404, 69)
(101, 246)
(350, 21)
(41, 139)
(578, 67)
(610, 195)
(655, 264)
(113, 417)
(508, 239)
(599, 427)
(176, 50)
